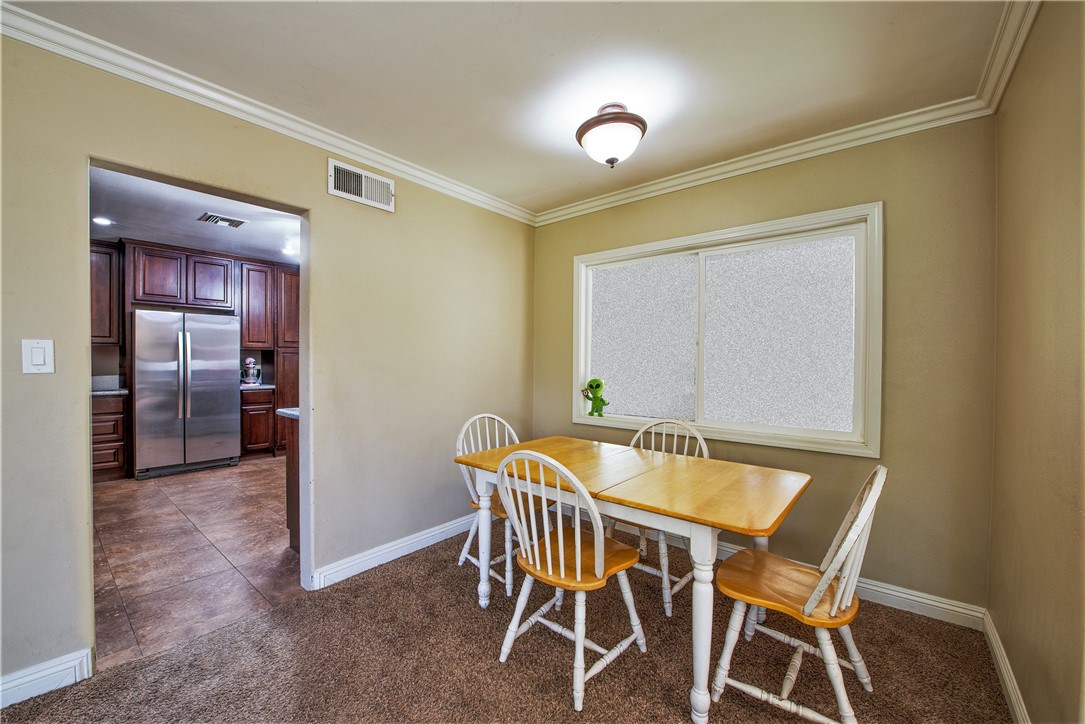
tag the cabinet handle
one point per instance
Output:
(180, 376)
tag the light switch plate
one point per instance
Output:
(38, 357)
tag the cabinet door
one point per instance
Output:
(210, 281)
(257, 428)
(105, 295)
(257, 306)
(288, 330)
(159, 276)
(286, 389)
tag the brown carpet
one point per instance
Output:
(407, 642)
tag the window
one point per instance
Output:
(767, 334)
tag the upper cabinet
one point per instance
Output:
(167, 276)
(105, 294)
(257, 306)
(288, 327)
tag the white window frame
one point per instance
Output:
(865, 222)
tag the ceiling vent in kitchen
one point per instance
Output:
(221, 220)
(361, 186)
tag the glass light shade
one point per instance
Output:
(611, 143)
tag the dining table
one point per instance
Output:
(689, 497)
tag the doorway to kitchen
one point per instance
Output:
(196, 340)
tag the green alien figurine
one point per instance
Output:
(594, 393)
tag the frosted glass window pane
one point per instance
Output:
(644, 336)
(779, 335)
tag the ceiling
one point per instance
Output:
(489, 95)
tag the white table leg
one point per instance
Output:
(484, 527)
(702, 551)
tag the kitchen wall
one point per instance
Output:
(933, 524)
(399, 307)
(1037, 593)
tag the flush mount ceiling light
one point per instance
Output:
(102, 221)
(611, 136)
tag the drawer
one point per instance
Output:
(107, 428)
(106, 405)
(109, 456)
(257, 397)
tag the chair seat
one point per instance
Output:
(617, 556)
(498, 509)
(765, 579)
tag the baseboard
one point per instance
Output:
(61, 671)
(344, 569)
(1005, 674)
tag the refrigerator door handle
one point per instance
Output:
(180, 376)
(188, 374)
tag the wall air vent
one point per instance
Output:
(361, 186)
(221, 220)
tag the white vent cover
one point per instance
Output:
(361, 186)
(220, 220)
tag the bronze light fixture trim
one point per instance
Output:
(621, 129)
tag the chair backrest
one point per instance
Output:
(527, 504)
(482, 432)
(845, 555)
(673, 436)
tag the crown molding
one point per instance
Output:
(40, 32)
(903, 124)
(1013, 28)
(1014, 25)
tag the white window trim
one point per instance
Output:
(865, 441)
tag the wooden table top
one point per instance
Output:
(746, 499)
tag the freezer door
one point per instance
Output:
(213, 395)
(158, 398)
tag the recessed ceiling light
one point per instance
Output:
(102, 221)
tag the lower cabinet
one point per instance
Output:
(257, 420)
(286, 389)
(107, 438)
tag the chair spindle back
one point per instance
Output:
(527, 504)
(482, 432)
(672, 436)
(845, 556)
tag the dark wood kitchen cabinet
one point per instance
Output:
(107, 438)
(257, 420)
(257, 306)
(105, 294)
(161, 275)
(286, 389)
(288, 326)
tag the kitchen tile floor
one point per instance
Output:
(179, 556)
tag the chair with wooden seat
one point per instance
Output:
(822, 597)
(570, 553)
(483, 432)
(680, 438)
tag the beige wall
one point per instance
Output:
(938, 188)
(1038, 530)
(397, 305)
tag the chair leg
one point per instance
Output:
(508, 557)
(832, 668)
(470, 539)
(643, 545)
(856, 658)
(751, 623)
(521, 604)
(734, 627)
(579, 627)
(634, 619)
(559, 598)
(665, 569)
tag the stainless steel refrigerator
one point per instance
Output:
(187, 398)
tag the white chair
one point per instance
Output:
(483, 432)
(569, 553)
(821, 597)
(672, 436)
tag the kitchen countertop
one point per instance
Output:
(292, 413)
(257, 387)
